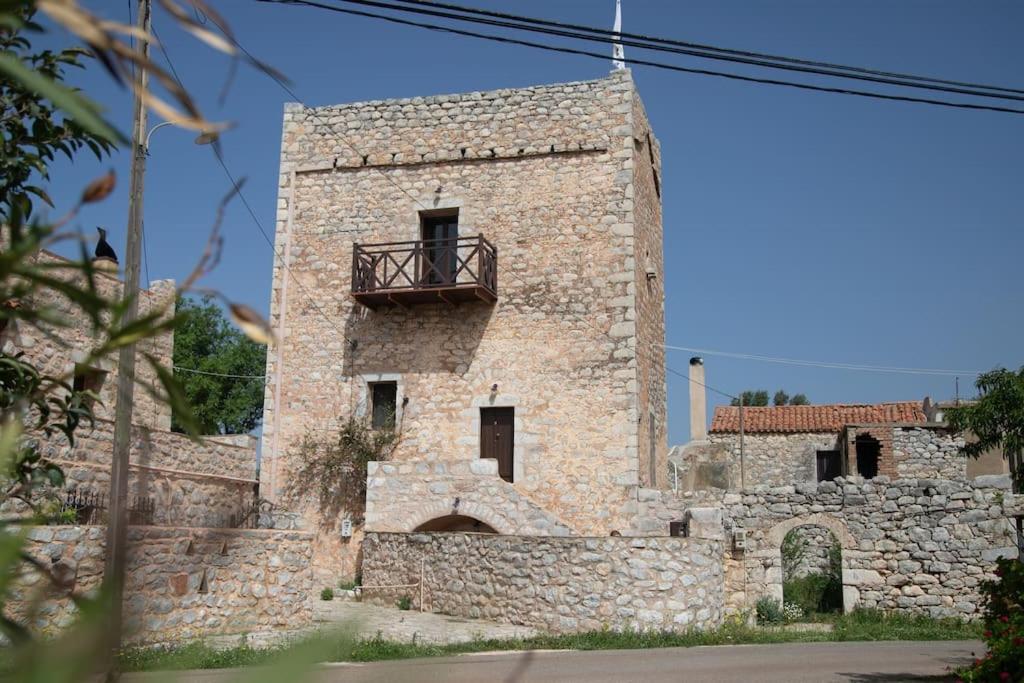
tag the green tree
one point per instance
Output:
(34, 130)
(996, 418)
(751, 397)
(758, 398)
(208, 344)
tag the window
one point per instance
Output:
(88, 379)
(383, 404)
(830, 465)
(868, 449)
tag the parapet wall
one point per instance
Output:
(557, 584)
(192, 483)
(181, 583)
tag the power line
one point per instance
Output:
(245, 202)
(572, 31)
(643, 62)
(703, 47)
(203, 372)
(827, 364)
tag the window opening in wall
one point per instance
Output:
(830, 465)
(867, 449)
(679, 528)
(88, 379)
(383, 404)
(440, 234)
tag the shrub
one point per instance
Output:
(334, 469)
(815, 592)
(404, 602)
(792, 611)
(327, 594)
(769, 611)
(1004, 627)
(348, 585)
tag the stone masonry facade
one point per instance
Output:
(905, 451)
(181, 583)
(60, 350)
(564, 181)
(558, 584)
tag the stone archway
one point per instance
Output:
(452, 523)
(773, 552)
(427, 512)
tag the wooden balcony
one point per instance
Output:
(451, 271)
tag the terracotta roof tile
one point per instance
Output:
(823, 418)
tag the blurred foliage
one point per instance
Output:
(35, 129)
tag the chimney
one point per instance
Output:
(698, 401)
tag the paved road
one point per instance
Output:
(791, 663)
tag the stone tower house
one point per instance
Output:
(486, 267)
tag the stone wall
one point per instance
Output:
(191, 483)
(546, 174)
(649, 285)
(775, 459)
(402, 495)
(918, 545)
(59, 351)
(181, 583)
(812, 544)
(556, 584)
(932, 453)
(783, 459)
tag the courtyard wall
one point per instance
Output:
(558, 584)
(181, 583)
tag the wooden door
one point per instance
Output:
(440, 235)
(497, 438)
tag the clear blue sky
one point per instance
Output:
(797, 224)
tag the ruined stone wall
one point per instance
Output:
(916, 545)
(649, 286)
(775, 459)
(59, 352)
(546, 174)
(191, 483)
(559, 585)
(932, 453)
(181, 583)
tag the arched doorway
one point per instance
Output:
(456, 523)
(830, 555)
(812, 570)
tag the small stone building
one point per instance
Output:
(485, 270)
(786, 445)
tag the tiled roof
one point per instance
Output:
(824, 418)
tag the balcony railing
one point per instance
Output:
(449, 271)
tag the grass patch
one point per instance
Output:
(862, 625)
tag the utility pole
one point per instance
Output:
(743, 462)
(117, 525)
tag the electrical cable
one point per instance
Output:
(219, 374)
(608, 37)
(826, 364)
(704, 47)
(659, 65)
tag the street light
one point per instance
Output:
(205, 138)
